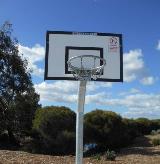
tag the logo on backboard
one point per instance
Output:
(113, 44)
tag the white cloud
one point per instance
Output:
(134, 91)
(158, 45)
(58, 91)
(93, 85)
(133, 64)
(33, 55)
(105, 84)
(66, 91)
(96, 98)
(148, 80)
(131, 91)
(58, 86)
(138, 105)
(35, 70)
(134, 68)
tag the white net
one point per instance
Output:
(87, 67)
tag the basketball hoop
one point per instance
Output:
(71, 51)
(86, 73)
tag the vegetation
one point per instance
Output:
(18, 100)
(97, 157)
(156, 141)
(144, 126)
(110, 155)
(102, 129)
(56, 129)
(155, 132)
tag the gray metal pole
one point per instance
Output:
(79, 122)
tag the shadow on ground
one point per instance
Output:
(141, 146)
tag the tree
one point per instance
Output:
(143, 125)
(15, 82)
(56, 129)
(24, 108)
(104, 128)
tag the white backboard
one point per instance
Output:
(61, 46)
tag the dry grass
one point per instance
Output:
(150, 137)
(142, 152)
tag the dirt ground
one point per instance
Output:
(140, 153)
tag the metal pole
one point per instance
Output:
(79, 122)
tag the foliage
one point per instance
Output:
(56, 129)
(144, 126)
(155, 132)
(155, 124)
(102, 128)
(131, 128)
(13, 70)
(97, 157)
(110, 155)
(156, 141)
(17, 94)
(141, 126)
(24, 110)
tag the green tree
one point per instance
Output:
(104, 128)
(155, 124)
(144, 125)
(131, 130)
(24, 108)
(56, 129)
(15, 83)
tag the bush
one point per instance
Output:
(110, 155)
(131, 130)
(144, 126)
(156, 141)
(105, 129)
(4, 140)
(155, 124)
(153, 132)
(55, 128)
(97, 157)
(158, 131)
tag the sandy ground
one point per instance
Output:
(140, 153)
(136, 155)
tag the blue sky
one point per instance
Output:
(138, 21)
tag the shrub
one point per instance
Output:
(97, 157)
(110, 155)
(155, 124)
(144, 126)
(105, 129)
(153, 132)
(131, 130)
(55, 128)
(158, 131)
(156, 141)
